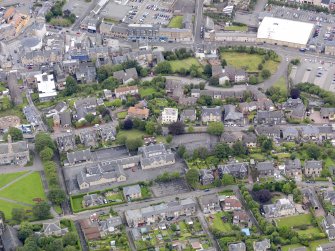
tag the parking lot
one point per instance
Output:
(319, 72)
(77, 7)
(324, 23)
(150, 11)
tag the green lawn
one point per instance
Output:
(219, 224)
(257, 156)
(309, 231)
(115, 196)
(281, 84)
(236, 28)
(176, 65)
(294, 221)
(122, 115)
(25, 189)
(249, 62)
(8, 177)
(145, 191)
(329, 162)
(314, 244)
(7, 207)
(176, 22)
(287, 247)
(77, 203)
(147, 91)
(134, 134)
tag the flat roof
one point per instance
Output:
(285, 30)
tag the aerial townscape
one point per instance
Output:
(167, 125)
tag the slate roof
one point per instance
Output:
(313, 164)
(129, 190)
(292, 164)
(264, 166)
(10, 240)
(237, 247)
(262, 245)
(79, 156)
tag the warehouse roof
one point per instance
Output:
(285, 30)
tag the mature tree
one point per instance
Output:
(144, 72)
(43, 140)
(205, 100)
(134, 144)
(260, 67)
(150, 127)
(110, 83)
(70, 248)
(222, 151)
(163, 68)
(89, 117)
(15, 133)
(215, 128)
(313, 151)
(57, 196)
(71, 86)
(177, 128)
(265, 73)
(41, 211)
(190, 129)
(70, 239)
(208, 70)
(128, 124)
(295, 93)
(25, 231)
(30, 244)
(192, 177)
(262, 196)
(55, 244)
(169, 138)
(2, 215)
(181, 150)
(239, 149)
(265, 143)
(214, 81)
(46, 154)
(223, 62)
(227, 179)
(18, 214)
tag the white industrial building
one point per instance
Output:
(46, 86)
(284, 32)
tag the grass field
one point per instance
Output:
(176, 65)
(219, 224)
(25, 189)
(176, 22)
(122, 115)
(314, 244)
(288, 247)
(281, 84)
(146, 91)
(236, 28)
(8, 177)
(249, 62)
(134, 134)
(294, 221)
(309, 231)
(7, 207)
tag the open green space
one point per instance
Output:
(122, 115)
(309, 231)
(134, 134)
(295, 221)
(218, 224)
(314, 244)
(146, 91)
(186, 63)
(7, 208)
(236, 28)
(176, 22)
(9, 177)
(249, 62)
(25, 189)
(117, 196)
(288, 247)
(281, 84)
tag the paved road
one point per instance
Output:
(198, 21)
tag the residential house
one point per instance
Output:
(60, 107)
(107, 132)
(79, 157)
(293, 168)
(195, 93)
(132, 192)
(85, 106)
(313, 168)
(66, 142)
(126, 76)
(240, 246)
(188, 115)
(265, 169)
(65, 119)
(229, 138)
(249, 140)
(169, 115)
(309, 132)
(109, 225)
(14, 153)
(126, 90)
(161, 212)
(310, 198)
(231, 116)
(99, 174)
(92, 200)
(135, 112)
(54, 229)
(211, 114)
(237, 170)
(210, 203)
(256, 93)
(290, 133)
(269, 118)
(328, 113)
(88, 138)
(282, 207)
(86, 73)
(235, 75)
(272, 132)
(230, 203)
(263, 245)
(206, 177)
(241, 218)
(154, 156)
(108, 95)
(328, 225)
(329, 196)
(295, 108)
